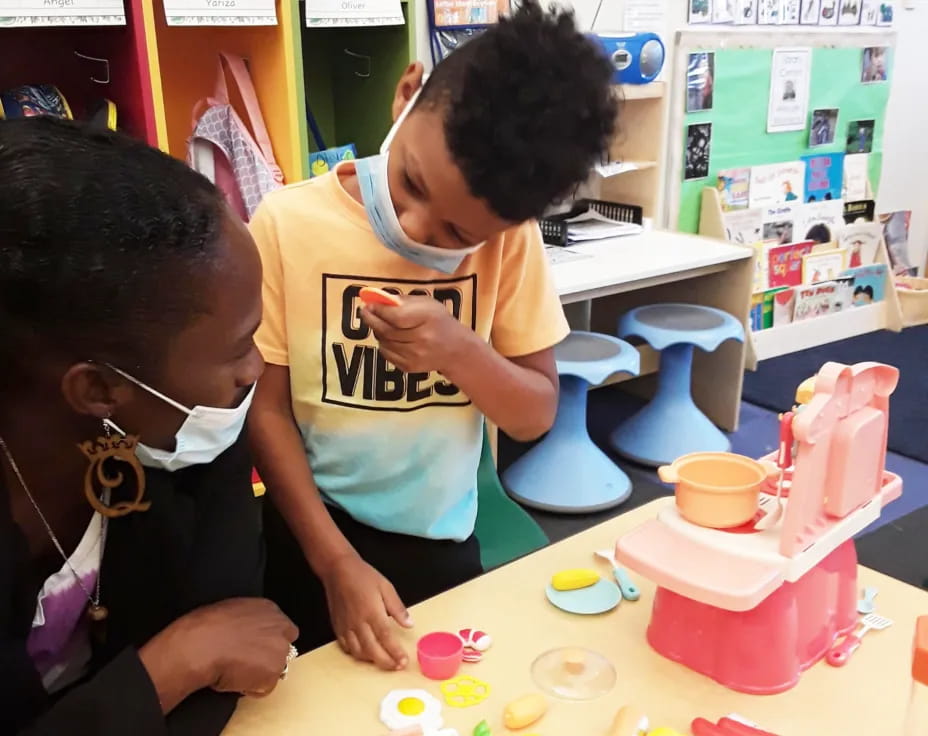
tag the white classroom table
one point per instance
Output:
(661, 266)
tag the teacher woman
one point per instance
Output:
(130, 549)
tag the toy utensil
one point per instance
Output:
(629, 590)
(866, 605)
(839, 654)
(784, 460)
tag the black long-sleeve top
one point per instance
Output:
(199, 543)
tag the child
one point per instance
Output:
(387, 403)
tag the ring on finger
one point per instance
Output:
(291, 655)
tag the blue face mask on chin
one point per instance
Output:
(374, 182)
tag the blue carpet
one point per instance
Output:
(773, 385)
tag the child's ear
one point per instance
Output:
(408, 85)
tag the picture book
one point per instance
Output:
(761, 266)
(744, 226)
(756, 314)
(777, 183)
(869, 283)
(821, 266)
(862, 241)
(733, 186)
(785, 263)
(824, 176)
(856, 166)
(778, 223)
(896, 234)
(819, 221)
(818, 300)
(784, 302)
(861, 210)
(769, 307)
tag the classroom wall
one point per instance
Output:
(904, 185)
(904, 182)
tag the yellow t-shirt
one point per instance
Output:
(397, 451)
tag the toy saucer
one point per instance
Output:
(598, 598)
(573, 673)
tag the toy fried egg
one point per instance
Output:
(405, 708)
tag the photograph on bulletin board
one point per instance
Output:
(700, 73)
(467, 13)
(874, 64)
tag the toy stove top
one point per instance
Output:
(839, 486)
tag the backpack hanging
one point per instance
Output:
(238, 161)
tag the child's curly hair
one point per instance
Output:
(529, 109)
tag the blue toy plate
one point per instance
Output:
(599, 598)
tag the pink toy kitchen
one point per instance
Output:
(755, 562)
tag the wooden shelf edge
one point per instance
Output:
(810, 333)
(650, 91)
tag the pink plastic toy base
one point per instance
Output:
(440, 655)
(764, 650)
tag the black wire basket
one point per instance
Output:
(554, 228)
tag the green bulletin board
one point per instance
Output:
(739, 113)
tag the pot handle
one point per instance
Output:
(668, 474)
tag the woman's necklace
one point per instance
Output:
(95, 611)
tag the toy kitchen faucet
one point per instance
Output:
(754, 607)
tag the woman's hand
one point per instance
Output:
(361, 604)
(237, 645)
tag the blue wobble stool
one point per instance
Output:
(672, 425)
(566, 472)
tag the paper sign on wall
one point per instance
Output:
(62, 13)
(354, 13)
(790, 74)
(220, 12)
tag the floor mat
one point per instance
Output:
(774, 384)
(899, 549)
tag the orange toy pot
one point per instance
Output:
(717, 489)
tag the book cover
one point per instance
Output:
(769, 307)
(896, 235)
(734, 186)
(785, 263)
(823, 266)
(861, 210)
(819, 221)
(757, 312)
(743, 226)
(868, 283)
(784, 303)
(861, 240)
(818, 300)
(761, 264)
(856, 172)
(773, 184)
(824, 176)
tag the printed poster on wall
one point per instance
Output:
(220, 12)
(790, 74)
(456, 13)
(25, 13)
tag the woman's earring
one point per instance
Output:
(98, 482)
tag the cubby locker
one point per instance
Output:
(184, 61)
(48, 56)
(350, 76)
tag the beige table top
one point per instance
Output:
(327, 693)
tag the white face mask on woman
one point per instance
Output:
(206, 433)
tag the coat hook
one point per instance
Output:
(366, 58)
(106, 65)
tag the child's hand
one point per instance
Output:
(418, 336)
(361, 604)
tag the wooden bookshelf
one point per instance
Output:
(796, 336)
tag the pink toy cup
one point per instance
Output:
(440, 655)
